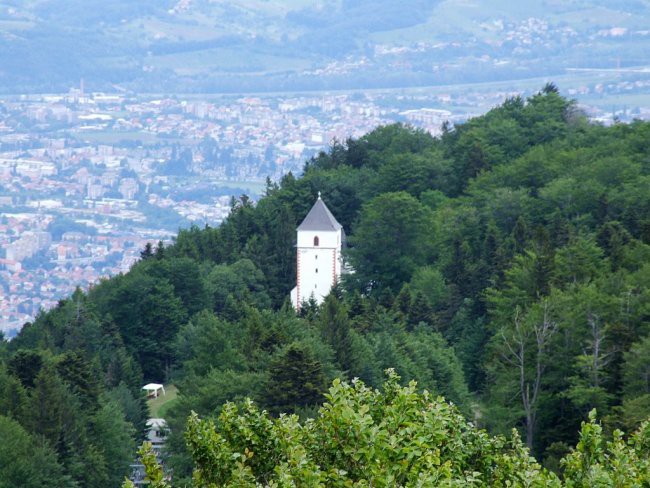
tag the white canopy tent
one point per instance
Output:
(152, 389)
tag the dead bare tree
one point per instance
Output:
(525, 336)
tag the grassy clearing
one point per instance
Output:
(158, 407)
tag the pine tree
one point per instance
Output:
(420, 311)
(79, 377)
(115, 437)
(520, 235)
(386, 298)
(613, 237)
(335, 329)
(356, 305)
(456, 270)
(402, 304)
(493, 259)
(296, 380)
(13, 396)
(28, 462)
(309, 309)
(25, 365)
(147, 252)
(160, 250)
(544, 262)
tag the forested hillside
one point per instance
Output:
(504, 266)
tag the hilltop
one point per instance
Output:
(503, 265)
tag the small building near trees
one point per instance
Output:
(153, 389)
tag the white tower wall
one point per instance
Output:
(318, 267)
(318, 255)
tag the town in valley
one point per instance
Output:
(87, 179)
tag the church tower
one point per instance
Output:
(319, 261)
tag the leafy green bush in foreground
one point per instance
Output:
(395, 437)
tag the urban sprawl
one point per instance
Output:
(87, 180)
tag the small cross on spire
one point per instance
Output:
(319, 195)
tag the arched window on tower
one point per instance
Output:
(315, 241)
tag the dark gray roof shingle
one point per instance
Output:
(320, 218)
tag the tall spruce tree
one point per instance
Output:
(335, 329)
(296, 380)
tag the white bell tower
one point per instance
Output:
(319, 260)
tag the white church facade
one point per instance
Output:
(318, 258)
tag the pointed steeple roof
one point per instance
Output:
(320, 218)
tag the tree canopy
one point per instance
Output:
(393, 437)
(504, 265)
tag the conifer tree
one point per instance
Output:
(26, 365)
(147, 252)
(78, 375)
(160, 250)
(26, 461)
(386, 298)
(520, 235)
(402, 304)
(335, 329)
(296, 380)
(420, 311)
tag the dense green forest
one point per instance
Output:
(504, 265)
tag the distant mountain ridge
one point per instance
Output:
(219, 46)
